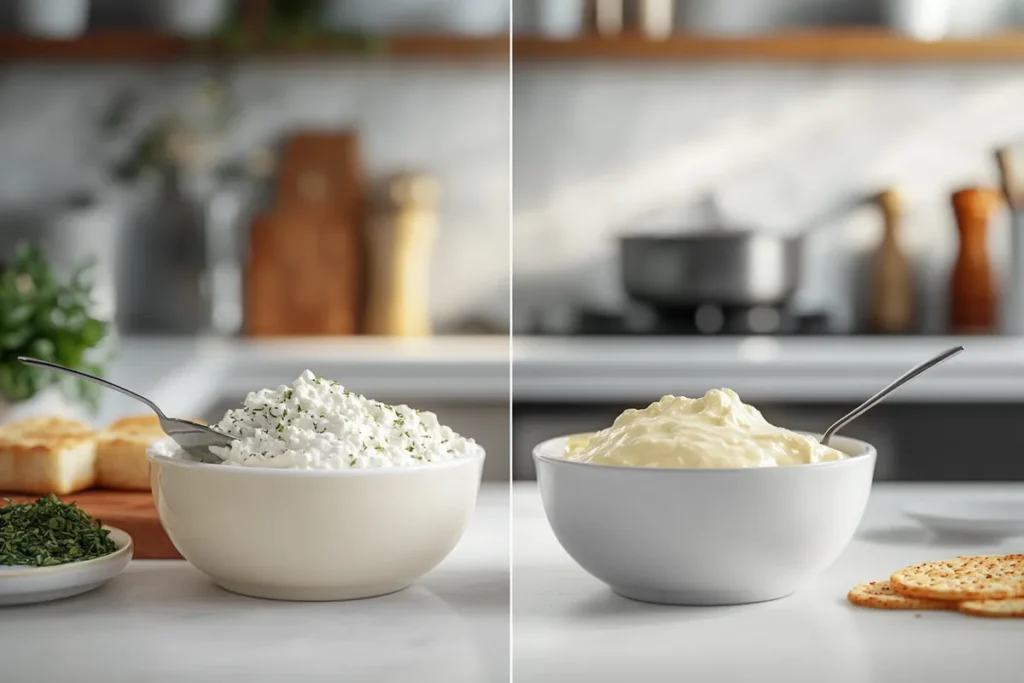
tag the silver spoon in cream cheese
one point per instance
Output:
(194, 438)
(896, 384)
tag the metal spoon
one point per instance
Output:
(194, 438)
(877, 398)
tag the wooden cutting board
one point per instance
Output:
(304, 275)
(131, 511)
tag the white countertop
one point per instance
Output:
(569, 627)
(164, 621)
(184, 375)
(630, 369)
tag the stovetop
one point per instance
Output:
(707, 320)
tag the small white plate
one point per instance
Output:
(25, 585)
(991, 518)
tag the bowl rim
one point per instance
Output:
(242, 470)
(121, 538)
(869, 454)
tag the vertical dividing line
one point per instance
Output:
(511, 393)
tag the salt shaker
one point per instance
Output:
(655, 18)
(1013, 306)
(400, 241)
(608, 16)
(893, 306)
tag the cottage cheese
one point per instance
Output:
(716, 431)
(318, 424)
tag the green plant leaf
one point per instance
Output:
(48, 318)
(15, 338)
(17, 315)
(43, 349)
(92, 332)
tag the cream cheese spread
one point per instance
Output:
(716, 431)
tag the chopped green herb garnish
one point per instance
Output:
(49, 532)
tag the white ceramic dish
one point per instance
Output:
(704, 536)
(314, 534)
(985, 518)
(26, 585)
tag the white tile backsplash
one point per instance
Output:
(449, 120)
(597, 148)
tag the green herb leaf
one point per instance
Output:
(49, 532)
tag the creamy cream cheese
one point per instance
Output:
(318, 424)
(716, 431)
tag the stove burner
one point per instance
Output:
(707, 320)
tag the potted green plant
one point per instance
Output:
(46, 317)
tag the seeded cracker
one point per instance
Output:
(985, 577)
(999, 609)
(880, 595)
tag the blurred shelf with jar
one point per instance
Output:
(121, 30)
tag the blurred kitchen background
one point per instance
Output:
(797, 199)
(264, 186)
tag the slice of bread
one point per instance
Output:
(47, 455)
(121, 453)
(121, 461)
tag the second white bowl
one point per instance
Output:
(314, 534)
(704, 536)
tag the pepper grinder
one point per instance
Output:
(892, 308)
(972, 295)
(400, 241)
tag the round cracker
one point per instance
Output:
(997, 609)
(880, 595)
(980, 577)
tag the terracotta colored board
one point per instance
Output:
(131, 511)
(304, 275)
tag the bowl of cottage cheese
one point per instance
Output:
(701, 501)
(324, 495)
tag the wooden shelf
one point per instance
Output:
(140, 46)
(834, 45)
(839, 45)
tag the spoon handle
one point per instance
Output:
(896, 384)
(92, 378)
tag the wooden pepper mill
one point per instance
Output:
(892, 305)
(973, 298)
(400, 241)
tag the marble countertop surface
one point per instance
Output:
(763, 369)
(163, 621)
(568, 626)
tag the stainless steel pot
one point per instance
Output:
(724, 268)
(719, 265)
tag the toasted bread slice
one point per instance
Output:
(121, 453)
(47, 455)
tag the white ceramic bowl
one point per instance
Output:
(314, 534)
(704, 536)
